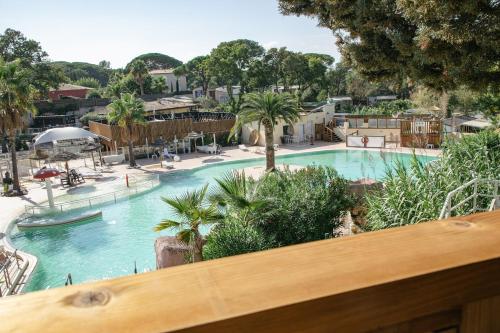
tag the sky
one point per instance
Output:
(118, 31)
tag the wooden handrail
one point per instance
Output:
(416, 278)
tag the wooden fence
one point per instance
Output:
(168, 130)
(441, 276)
(420, 134)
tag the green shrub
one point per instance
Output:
(303, 206)
(232, 238)
(417, 193)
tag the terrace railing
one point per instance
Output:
(12, 269)
(476, 191)
(441, 276)
(136, 186)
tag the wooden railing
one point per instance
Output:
(432, 277)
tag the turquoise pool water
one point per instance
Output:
(109, 246)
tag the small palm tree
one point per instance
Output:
(139, 71)
(267, 109)
(159, 84)
(192, 211)
(16, 102)
(127, 112)
(235, 192)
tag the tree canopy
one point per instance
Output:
(14, 46)
(156, 61)
(440, 44)
(79, 70)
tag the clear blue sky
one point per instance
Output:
(118, 31)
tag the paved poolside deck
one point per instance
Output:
(12, 207)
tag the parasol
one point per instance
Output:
(44, 174)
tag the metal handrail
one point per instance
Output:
(9, 280)
(135, 187)
(447, 209)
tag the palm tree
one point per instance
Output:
(127, 112)
(267, 109)
(238, 195)
(16, 101)
(159, 84)
(139, 71)
(192, 211)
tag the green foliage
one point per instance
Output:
(441, 44)
(89, 82)
(84, 120)
(155, 61)
(302, 206)
(207, 103)
(228, 64)
(16, 102)
(43, 75)
(159, 85)
(139, 71)
(385, 108)
(197, 73)
(79, 70)
(489, 105)
(93, 94)
(417, 193)
(232, 238)
(192, 211)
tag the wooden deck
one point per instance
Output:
(436, 276)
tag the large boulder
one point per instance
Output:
(170, 252)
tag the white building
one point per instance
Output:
(376, 99)
(222, 96)
(299, 132)
(174, 83)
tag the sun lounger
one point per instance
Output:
(208, 149)
(114, 159)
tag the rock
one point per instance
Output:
(170, 252)
(360, 187)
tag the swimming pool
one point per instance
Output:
(123, 238)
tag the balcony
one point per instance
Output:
(441, 276)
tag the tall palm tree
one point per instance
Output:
(267, 109)
(127, 112)
(192, 211)
(139, 71)
(16, 101)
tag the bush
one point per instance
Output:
(88, 82)
(84, 120)
(303, 206)
(417, 193)
(232, 238)
(93, 94)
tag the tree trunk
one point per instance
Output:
(131, 156)
(269, 147)
(15, 173)
(443, 103)
(142, 88)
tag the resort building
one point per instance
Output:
(338, 104)
(198, 93)
(222, 96)
(168, 119)
(372, 100)
(69, 91)
(174, 83)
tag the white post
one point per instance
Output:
(50, 195)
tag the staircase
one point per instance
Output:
(329, 135)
